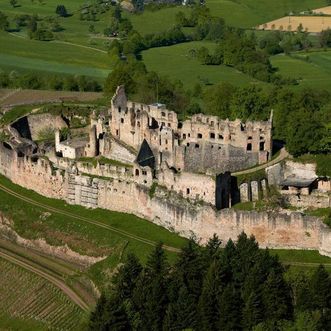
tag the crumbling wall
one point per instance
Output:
(273, 230)
(216, 158)
(33, 173)
(166, 208)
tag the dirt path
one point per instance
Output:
(86, 220)
(65, 42)
(282, 155)
(44, 273)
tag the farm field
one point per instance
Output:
(26, 296)
(21, 97)
(323, 10)
(315, 73)
(177, 64)
(56, 57)
(250, 13)
(291, 23)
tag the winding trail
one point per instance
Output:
(282, 155)
(44, 273)
(86, 220)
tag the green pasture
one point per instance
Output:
(312, 69)
(156, 21)
(176, 62)
(52, 57)
(249, 13)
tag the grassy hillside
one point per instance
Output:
(313, 69)
(249, 13)
(56, 57)
(177, 64)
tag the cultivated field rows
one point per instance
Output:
(28, 296)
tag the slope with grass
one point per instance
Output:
(54, 57)
(178, 64)
(312, 69)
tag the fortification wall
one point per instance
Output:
(168, 209)
(272, 230)
(216, 158)
(32, 173)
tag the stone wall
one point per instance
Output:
(216, 158)
(272, 230)
(167, 209)
(33, 173)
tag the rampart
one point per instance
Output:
(168, 209)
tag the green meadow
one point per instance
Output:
(312, 69)
(176, 62)
(54, 56)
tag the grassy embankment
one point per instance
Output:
(35, 222)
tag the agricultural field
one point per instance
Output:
(250, 13)
(291, 23)
(28, 297)
(313, 69)
(177, 63)
(25, 97)
(323, 10)
(52, 57)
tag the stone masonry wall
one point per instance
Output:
(272, 230)
(169, 209)
(32, 173)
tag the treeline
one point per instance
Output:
(38, 81)
(238, 288)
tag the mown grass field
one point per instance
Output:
(313, 69)
(176, 63)
(60, 58)
(156, 21)
(250, 13)
(28, 297)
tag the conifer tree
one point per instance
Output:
(127, 277)
(230, 310)
(321, 289)
(156, 289)
(276, 297)
(191, 269)
(96, 318)
(209, 299)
